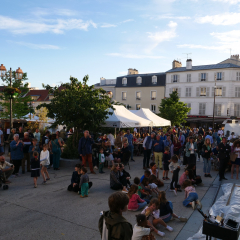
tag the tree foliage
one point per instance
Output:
(20, 104)
(78, 105)
(173, 109)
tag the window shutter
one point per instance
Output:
(197, 92)
(222, 76)
(206, 76)
(224, 91)
(236, 92)
(189, 92)
(171, 78)
(199, 77)
(178, 78)
(186, 92)
(170, 91)
(203, 108)
(207, 91)
(190, 75)
(179, 92)
(237, 76)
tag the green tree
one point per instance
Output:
(20, 103)
(173, 109)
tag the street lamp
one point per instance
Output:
(18, 75)
(214, 97)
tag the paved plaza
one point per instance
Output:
(51, 212)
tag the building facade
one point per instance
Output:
(108, 85)
(196, 84)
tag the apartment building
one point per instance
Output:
(108, 85)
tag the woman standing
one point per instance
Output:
(16, 147)
(207, 152)
(56, 150)
(200, 143)
(236, 150)
(191, 151)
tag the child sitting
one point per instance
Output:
(152, 213)
(101, 158)
(166, 209)
(45, 161)
(135, 202)
(191, 197)
(196, 178)
(174, 167)
(145, 188)
(147, 174)
(142, 230)
(112, 225)
(166, 161)
(84, 183)
(154, 172)
(140, 192)
(152, 184)
(185, 176)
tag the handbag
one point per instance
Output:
(233, 156)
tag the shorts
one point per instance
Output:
(45, 166)
(166, 166)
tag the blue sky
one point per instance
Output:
(51, 40)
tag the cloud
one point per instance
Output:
(225, 41)
(37, 46)
(133, 56)
(228, 1)
(170, 17)
(108, 25)
(220, 19)
(60, 12)
(158, 37)
(128, 20)
(57, 26)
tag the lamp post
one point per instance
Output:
(18, 75)
(214, 97)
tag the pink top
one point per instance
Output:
(133, 202)
(188, 190)
(183, 178)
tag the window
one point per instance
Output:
(218, 109)
(138, 95)
(237, 110)
(188, 77)
(202, 77)
(237, 91)
(220, 91)
(188, 92)
(175, 78)
(154, 79)
(238, 76)
(139, 80)
(138, 106)
(189, 106)
(202, 108)
(124, 81)
(35, 98)
(178, 90)
(153, 108)
(203, 91)
(124, 95)
(153, 95)
(219, 76)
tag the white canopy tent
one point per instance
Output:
(149, 115)
(123, 118)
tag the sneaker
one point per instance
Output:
(162, 234)
(132, 160)
(124, 191)
(182, 219)
(44, 182)
(171, 190)
(48, 179)
(209, 175)
(193, 205)
(163, 178)
(170, 229)
(175, 192)
(199, 204)
(95, 167)
(82, 196)
(205, 175)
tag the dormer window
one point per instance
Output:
(154, 79)
(50, 96)
(124, 81)
(139, 81)
(35, 98)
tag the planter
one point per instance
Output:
(68, 162)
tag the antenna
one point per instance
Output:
(230, 52)
(187, 54)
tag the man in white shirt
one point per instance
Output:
(37, 135)
(111, 139)
(220, 131)
(1, 142)
(232, 136)
(6, 170)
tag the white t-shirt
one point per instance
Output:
(152, 185)
(237, 149)
(111, 139)
(154, 215)
(135, 130)
(152, 172)
(102, 158)
(44, 157)
(1, 133)
(139, 232)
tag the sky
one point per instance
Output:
(55, 39)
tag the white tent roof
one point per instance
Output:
(123, 118)
(149, 115)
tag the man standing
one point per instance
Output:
(158, 149)
(20, 133)
(5, 172)
(26, 156)
(1, 142)
(147, 145)
(223, 157)
(37, 135)
(181, 139)
(85, 150)
(129, 136)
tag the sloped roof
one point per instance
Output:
(204, 67)
(42, 93)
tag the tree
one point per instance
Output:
(20, 103)
(173, 109)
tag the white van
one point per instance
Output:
(231, 125)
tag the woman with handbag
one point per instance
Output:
(235, 158)
(206, 154)
(56, 150)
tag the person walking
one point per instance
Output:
(223, 157)
(158, 149)
(85, 150)
(129, 136)
(147, 146)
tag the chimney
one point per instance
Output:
(176, 64)
(189, 64)
(132, 71)
(235, 57)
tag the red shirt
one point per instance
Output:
(133, 202)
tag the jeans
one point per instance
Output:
(141, 205)
(170, 217)
(147, 155)
(131, 150)
(191, 197)
(158, 159)
(207, 165)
